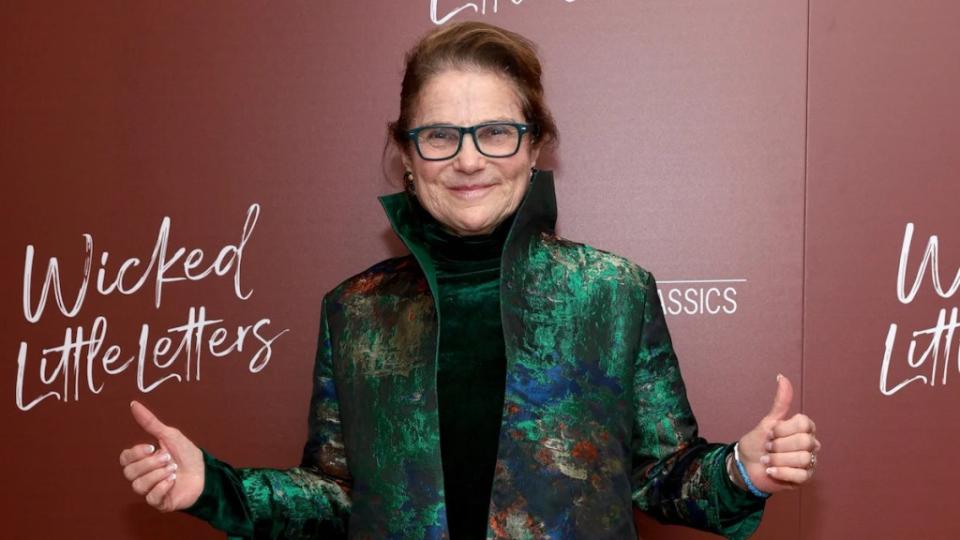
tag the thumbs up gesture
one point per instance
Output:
(780, 453)
(171, 476)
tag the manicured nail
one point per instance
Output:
(765, 459)
(172, 467)
(172, 477)
(779, 376)
(770, 470)
(151, 448)
(768, 446)
(165, 456)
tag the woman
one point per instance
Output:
(543, 366)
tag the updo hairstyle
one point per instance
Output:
(475, 45)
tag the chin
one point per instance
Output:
(475, 225)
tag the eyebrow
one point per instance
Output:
(487, 121)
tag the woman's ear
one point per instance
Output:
(405, 159)
(534, 154)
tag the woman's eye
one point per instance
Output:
(440, 135)
(495, 131)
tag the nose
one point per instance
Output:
(469, 159)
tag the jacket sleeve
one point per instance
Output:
(677, 477)
(309, 501)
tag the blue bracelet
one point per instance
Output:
(743, 473)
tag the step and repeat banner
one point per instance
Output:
(881, 358)
(182, 182)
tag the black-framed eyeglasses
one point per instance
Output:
(492, 139)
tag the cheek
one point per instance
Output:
(425, 172)
(519, 182)
(429, 188)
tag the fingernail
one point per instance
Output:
(768, 446)
(770, 470)
(172, 467)
(779, 376)
(765, 459)
(165, 456)
(151, 448)
(172, 477)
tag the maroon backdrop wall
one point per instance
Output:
(763, 159)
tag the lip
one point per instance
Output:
(471, 191)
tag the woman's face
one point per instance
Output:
(470, 193)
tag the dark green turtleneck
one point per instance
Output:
(471, 370)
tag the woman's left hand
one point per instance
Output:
(780, 453)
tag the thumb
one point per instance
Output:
(150, 423)
(781, 402)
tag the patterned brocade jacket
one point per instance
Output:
(595, 420)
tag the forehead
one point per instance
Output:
(467, 97)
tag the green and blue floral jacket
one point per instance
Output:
(595, 420)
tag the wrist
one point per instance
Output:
(732, 472)
(743, 476)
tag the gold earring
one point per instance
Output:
(408, 184)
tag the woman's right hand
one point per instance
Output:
(171, 477)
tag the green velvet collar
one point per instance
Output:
(536, 214)
(455, 254)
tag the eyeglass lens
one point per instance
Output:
(494, 140)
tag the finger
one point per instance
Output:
(782, 400)
(800, 460)
(150, 423)
(136, 453)
(156, 495)
(148, 464)
(793, 443)
(799, 423)
(144, 484)
(791, 475)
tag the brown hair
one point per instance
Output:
(480, 46)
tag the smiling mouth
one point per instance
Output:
(471, 190)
